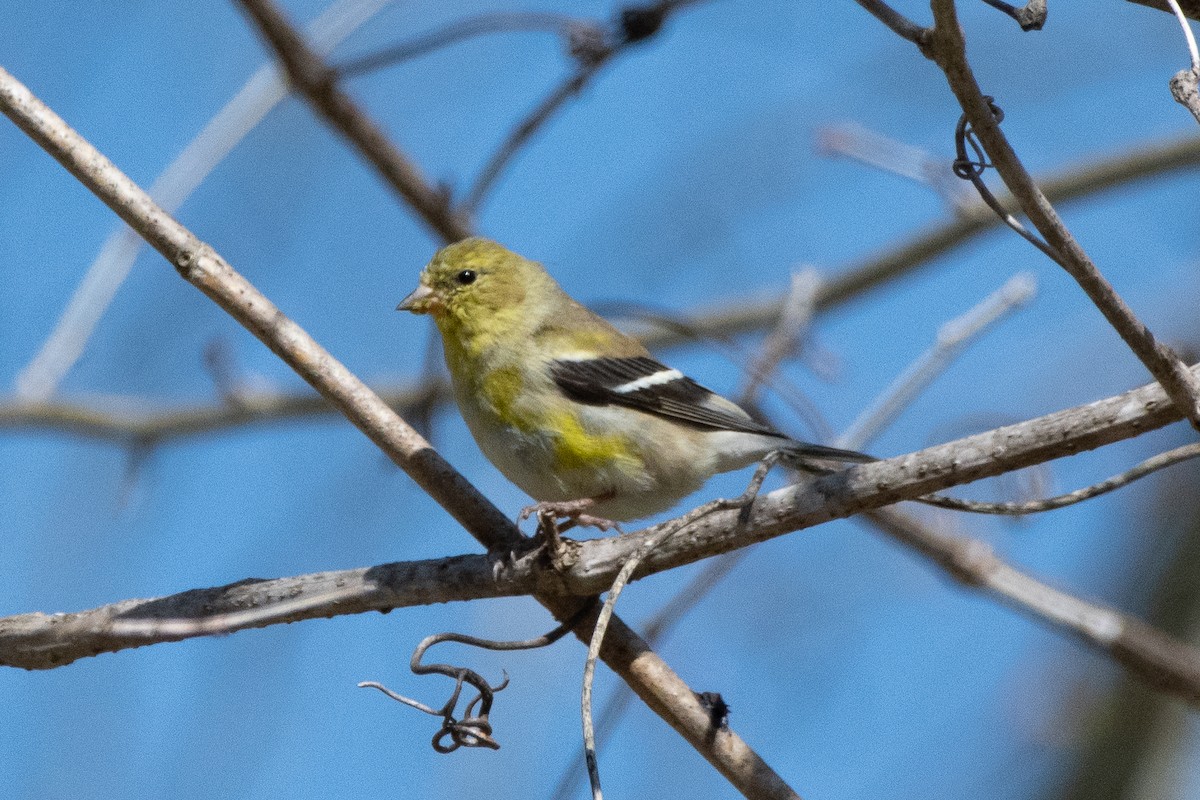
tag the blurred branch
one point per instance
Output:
(1134, 742)
(41, 377)
(1161, 661)
(859, 143)
(948, 49)
(624, 651)
(784, 339)
(317, 83)
(952, 338)
(129, 420)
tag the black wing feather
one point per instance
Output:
(593, 381)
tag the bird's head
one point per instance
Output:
(473, 285)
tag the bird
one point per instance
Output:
(574, 412)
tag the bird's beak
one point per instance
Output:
(421, 301)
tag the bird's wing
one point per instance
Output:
(641, 383)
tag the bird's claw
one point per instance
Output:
(549, 512)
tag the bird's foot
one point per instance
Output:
(573, 511)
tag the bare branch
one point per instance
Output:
(624, 652)
(317, 83)
(948, 49)
(46, 641)
(129, 420)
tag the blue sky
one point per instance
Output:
(686, 176)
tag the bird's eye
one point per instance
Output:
(466, 277)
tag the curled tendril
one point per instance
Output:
(972, 169)
(473, 729)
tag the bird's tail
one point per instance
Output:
(803, 451)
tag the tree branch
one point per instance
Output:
(948, 49)
(317, 83)
(37, 641)
(624, 652)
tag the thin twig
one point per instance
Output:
(42, 376)
(626, 572)
(948, 49)
(952, 339)
(593, 49)
(460, 30)
(1147, 467)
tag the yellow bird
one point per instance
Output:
(571, 410)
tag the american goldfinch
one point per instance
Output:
(571, 410)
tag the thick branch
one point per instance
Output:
(40, 641)
(45, 641)
(874, 485)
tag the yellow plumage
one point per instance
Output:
(564, 404)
